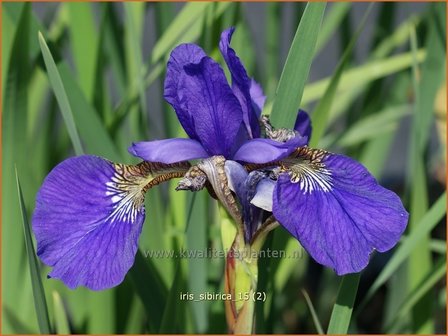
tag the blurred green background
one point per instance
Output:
(389, 112)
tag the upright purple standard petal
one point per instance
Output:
(85, 228)
(303, 124)
(257, 96)
(241, 84)
(182, 55)
(203, 91)
(337, 210)
(168, 150)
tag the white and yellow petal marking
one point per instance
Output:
(306, 167)
(129, 184)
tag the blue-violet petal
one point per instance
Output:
(257, 96)
(168, 150)
(241, 83)
(303, 124)
(267, 150)
(337, 210)
(182, 55)
(86, 224)
(205, 93)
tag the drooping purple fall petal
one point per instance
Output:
(168, 150)
(337, 210)
(86, 227)
(89, 215)
(241, 84)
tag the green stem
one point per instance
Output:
(241, 280)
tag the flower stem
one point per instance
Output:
(241, 277)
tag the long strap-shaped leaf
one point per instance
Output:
(343, 308)
(424, 286)
(40, 303)
(61, 95)
(426, 224)
(297, 66)
(322, 110)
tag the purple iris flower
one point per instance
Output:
(219, 119)
(90, 211)
(334, 207)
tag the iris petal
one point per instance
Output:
(263, 196)
(182, 55)
(266, 150)
(257, 96)
(337, 210)
(236, 175)
(241, 84)
(244, 185)
(168, 150)
(303, 124)
(88, 219)
(205, 93)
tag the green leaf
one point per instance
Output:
(134, 14)
(189, 18)
(11, 318)
(432, 75)
(313, 313)
(150, 289)
(331, 22)
(438, 246)
(298, 63)
(185, 28)
(61, 95)
(342, 310)
(100, 94)
(272, 34)
(60, 316)
(92, 132)
(16, 287)
(404, 250)
(84, 41)
(114, 46)
(420, 259)
(375, 152)
(156, 235)
(172, 315)
(164, 16)
(8, 32)
(374, 125)
(174, 312)
(286, 266)
(374, 89)
(101, 312)
(14, 11)
(40, 303)
(357, 77)
(321, 113)
(364, 74)
(432, 277)
(197, 267)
